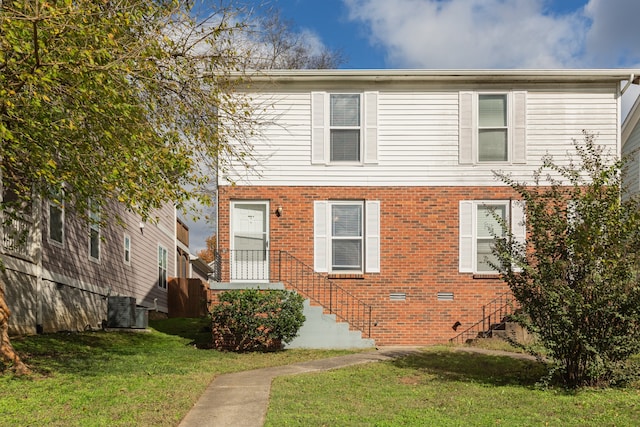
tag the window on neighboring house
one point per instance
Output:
(94, 231)
(479, 223)
(347, 236)
(56, 221)
(492, 127)
(162, 267)
(15, 196)
(344, 127)
(127, 249)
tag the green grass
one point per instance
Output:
(442, 387)
(122, 378)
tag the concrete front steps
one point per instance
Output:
(321, 330)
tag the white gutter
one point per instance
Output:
(390, 75)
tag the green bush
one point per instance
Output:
(254, 320)
(577, 278)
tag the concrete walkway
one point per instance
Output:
(241, 399)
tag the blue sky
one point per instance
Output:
(472, 33)
(454, 34)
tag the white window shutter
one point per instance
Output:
(465, 249)
(372, 249)
(519, 127)
(320, 236)
(518, 226)
(319, 128)
(466, 131)
(371, 127)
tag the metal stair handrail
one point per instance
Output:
(281, 266)
(497, 309)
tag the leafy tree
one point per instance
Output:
(115, 100)
(577, 276)
(269, 41)
(208, 254)
(275, 44)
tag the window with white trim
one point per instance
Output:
(94, 231)
(162, 267)
(344, 127)
(488, 226)
(492, 127)
(347, 236)
(127, 249)
(479, 223)
(56, 232)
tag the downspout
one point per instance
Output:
(629, 83)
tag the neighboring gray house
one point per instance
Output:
(60, 275)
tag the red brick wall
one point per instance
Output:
(418, 253)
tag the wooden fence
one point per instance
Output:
(187, 298)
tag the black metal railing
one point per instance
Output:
(494, 316)
(281, 266)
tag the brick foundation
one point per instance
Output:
(418, 254)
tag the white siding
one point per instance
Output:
(630, 150)
(418, 132)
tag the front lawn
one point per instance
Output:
(443, 387)
(122, 378)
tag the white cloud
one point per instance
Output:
(469, 33)
(501, 33)
(613, 38)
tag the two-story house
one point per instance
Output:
(61, 269)
(382, 183)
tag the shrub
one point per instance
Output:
(577, 278)
(254, 320)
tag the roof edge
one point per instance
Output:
(394, 75)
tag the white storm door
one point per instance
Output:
(250, 241)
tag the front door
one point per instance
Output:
(250, 241)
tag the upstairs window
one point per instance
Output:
(345, 128)
(492, 128)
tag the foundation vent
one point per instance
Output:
(445, 296)
(398, 296)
